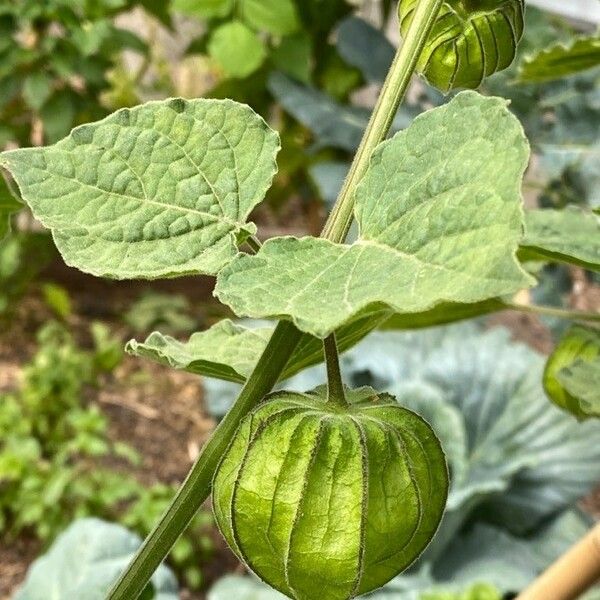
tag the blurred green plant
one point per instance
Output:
(54, 60)
(52, 440)
(156, 310)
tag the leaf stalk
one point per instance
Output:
(336, 395)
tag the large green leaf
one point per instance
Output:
(440, 217)
(85, 561)
(160, 190)
(8, 205)
(237, 49)
(572, 375)
(561, 60)
(571, 235)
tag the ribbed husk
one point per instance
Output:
(330, 503)
(468, 44)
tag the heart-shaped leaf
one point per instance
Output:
(569, 235)
(160, 190)
(440, 217)
(561, 60)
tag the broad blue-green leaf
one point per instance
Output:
(332, 123)
(273, 16)
(572, 375)
(514, 464)
(237, 49)
(561, 60)
(8, 205)
(160, 190)
(85, 561)
(366, 48)
(329, 178)
(242, 588)
(440, 218)
(570, 235)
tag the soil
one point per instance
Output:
(159, 411)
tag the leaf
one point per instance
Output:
(230, 351)
(226, 351)
(293, 56)
(572, 374)
(237, 49)
(570, 235)
(440, 216)
(273, 16)
(329, 178)
(561, 60)
(332, 123)
(514, 467)
(204, 8)
(469, 40)
(160, 190)
(85, 560)
(366, 48)
(37, 89)
(8, 205)
(444, 313)
(242, 588)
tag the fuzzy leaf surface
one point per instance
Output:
(440, 217)
(569, 235)
(561, 60)
(230, 351)
(160, 190)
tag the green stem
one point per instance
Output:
(335, 386)
(551, 311)
(254, 243)
(285, 338)
(391, 96)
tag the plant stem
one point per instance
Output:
(254, 243)
(285, 338)
(391, 96)
(335, 386)
(551, 311)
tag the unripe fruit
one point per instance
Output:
(470, 40)
(329, 502)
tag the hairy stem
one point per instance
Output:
(551, 311)
(286, 337)
(391, 96)
(335, 386)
